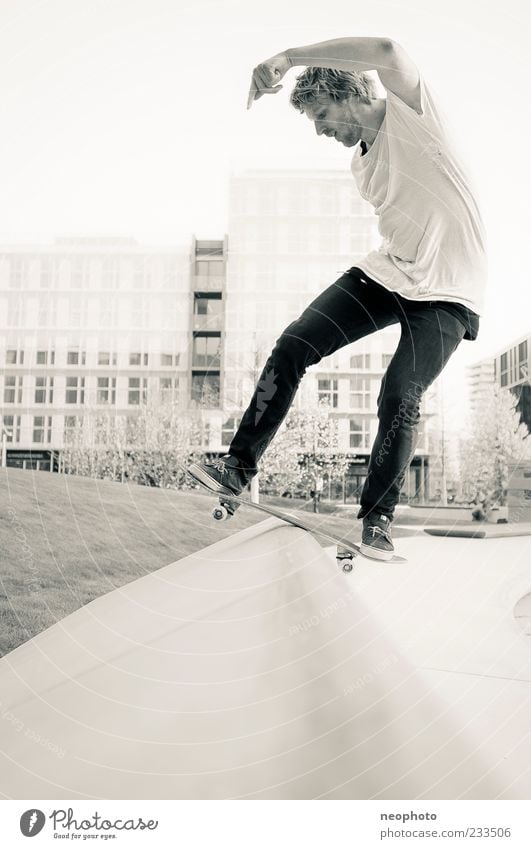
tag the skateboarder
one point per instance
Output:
(428, 275)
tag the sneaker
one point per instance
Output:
(225, 475)
(376, 537)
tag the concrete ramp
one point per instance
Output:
(251, 669)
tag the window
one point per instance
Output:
(327, 238)
(422, 443)
(46, 311)
(78, 273)
(205, 389)
(18, 276)
(386, 359)
(171, 274)
(204, 435)
(77, 311)
(45, 357)
(108, 312)
(522, 360)
(360, 393)
(228, 430)
(504, 370)
(14, 357)
(137, 390)
(207, 303)
(169, 360)
(141, 273)
(138, 359)
(105, 358)
(71, 424)
(140, 310)
(327, 391)
(42, 429)
(102, 427)
(106, 392)
(208, 268)
(75, 357)
(14, 312)
(48, 273)
(75, 390)
(44, 390)
(131, 427)
(12, 428)
(169, 387)
(109, 273)
(359, 433)
(206, 351)
(13, 389)
(361, 361)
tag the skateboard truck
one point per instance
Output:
(224, 510)
(345, 558)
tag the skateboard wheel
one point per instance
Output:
(347, 565)
(220, 513)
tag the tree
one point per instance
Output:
(498, 438)
(304, 449)
(153, 447)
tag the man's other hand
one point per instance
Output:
(266, 77)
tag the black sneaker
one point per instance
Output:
(376, 537)
(225, 475)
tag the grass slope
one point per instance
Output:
(64, 541)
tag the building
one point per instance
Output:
(102, 324)
(89, 325)
(510, 368)
(512, 371)
(480, 379)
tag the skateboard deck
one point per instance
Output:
(346, 549)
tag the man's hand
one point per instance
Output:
(266, 77)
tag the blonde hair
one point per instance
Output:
(336, 85)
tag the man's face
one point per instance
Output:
(336, 120)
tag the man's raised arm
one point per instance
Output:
(395, 69)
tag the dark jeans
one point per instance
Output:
(353, 307)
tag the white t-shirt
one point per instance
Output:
(433, 238)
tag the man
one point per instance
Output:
(428, 275)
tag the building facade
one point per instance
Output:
(512, 371)
(510, 368)
(88, 325)
(480, 380)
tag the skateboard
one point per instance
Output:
(346, 550)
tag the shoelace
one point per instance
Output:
(374, 529)
(218, 464)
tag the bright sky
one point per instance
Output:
(127, 116)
